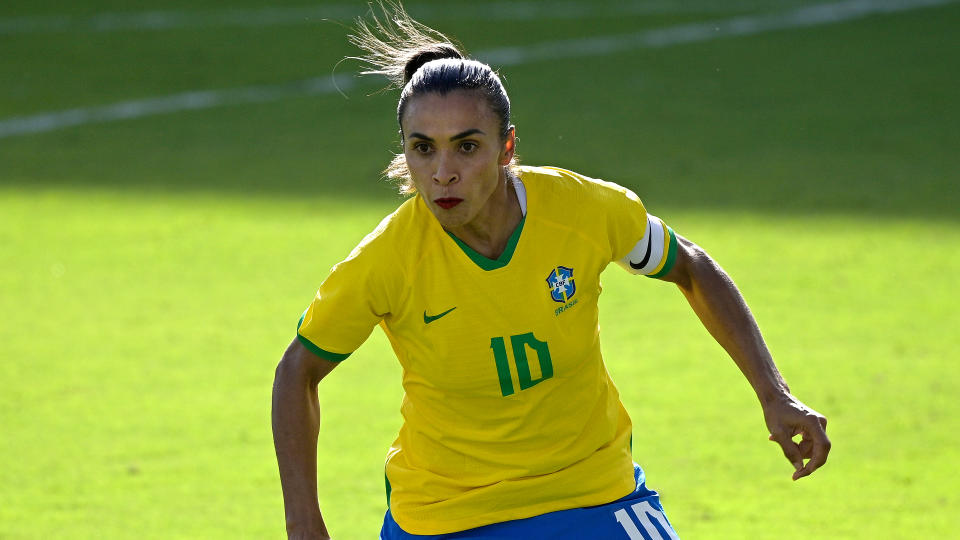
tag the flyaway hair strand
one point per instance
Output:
(392, 38)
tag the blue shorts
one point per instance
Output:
(638, 516)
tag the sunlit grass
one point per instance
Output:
(140, 354)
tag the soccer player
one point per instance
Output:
(486, 283)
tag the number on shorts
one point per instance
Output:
(645, 513)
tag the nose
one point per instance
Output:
(445, 174)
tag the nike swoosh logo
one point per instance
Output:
(646, 257)
(427, 319)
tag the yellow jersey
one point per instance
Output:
(508, 408)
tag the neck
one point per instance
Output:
(489, 232)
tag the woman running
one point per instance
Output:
(486, 283)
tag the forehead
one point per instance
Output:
(454, 112)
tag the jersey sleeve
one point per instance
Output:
(642, 243)
(348, 305)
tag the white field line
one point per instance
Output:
(256, 17)
(505, 56)
(814, 15)
(199, 99)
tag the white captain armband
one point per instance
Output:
(655, 253)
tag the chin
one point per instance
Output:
(449, 223)
(449, 219)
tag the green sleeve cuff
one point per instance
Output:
(326, 355)
(671, 256)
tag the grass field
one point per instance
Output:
(152, 269)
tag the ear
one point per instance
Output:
(509, 146)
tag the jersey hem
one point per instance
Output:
(460, 525)
(322, 353)
(326, 355)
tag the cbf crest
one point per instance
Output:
(562, 287)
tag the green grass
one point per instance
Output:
(152, 271)
(141, 355)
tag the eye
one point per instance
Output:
(468, 146)
(421, 148)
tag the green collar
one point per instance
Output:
(487, 263)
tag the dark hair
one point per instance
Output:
(419, 60)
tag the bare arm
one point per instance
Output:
(296, 424)
(723, 311)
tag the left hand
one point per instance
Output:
(786, 418)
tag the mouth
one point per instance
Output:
(447, 202)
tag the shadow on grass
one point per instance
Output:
(853, 119)
(250, 159)
(858, 118)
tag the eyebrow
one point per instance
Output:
(458, 136)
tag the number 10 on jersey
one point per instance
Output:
(519, 345)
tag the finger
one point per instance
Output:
(791, 450)
(806, 448)
(818, 455)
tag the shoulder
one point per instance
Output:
(395, 245)
(555, 182)
(604, 214)
(389, 234)
(382, 243)
(570, 191)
